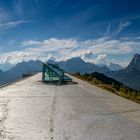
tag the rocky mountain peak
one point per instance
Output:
(135, 63)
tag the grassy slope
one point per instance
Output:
(111, 85)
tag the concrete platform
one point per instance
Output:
(31, 110)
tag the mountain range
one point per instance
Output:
(79, 65)
(16, 72)
(111, 66)
(129, 76)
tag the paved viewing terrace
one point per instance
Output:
(32, 110)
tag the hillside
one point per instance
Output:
(110, 84)
(130, 75)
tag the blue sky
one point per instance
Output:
(99, 31)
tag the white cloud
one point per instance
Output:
(67, 48)
(14, 57)
(31, 43)
(84, 54)
(108, 29)
(11, 24)
(101, 59)
(121, 26)
(87, 54)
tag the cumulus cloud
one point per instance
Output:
(87, 54)
(14, 57)
(52, 43)
(67, 48)
(101, 59)
(82, 53)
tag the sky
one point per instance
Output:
(99, 31)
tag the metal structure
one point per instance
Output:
(51, 73)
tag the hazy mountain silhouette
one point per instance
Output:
(79, 65)
(16, 72)
(114, 67)
(5, 66)
(111, 66)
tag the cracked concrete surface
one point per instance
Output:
(31, 110)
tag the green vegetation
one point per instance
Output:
(110, 84)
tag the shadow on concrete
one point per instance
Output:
(57, 84)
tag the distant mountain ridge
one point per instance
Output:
(16, 72)
(71, 65)
(114, 67)
(129, 76)
(111, 66)
(78, 65)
